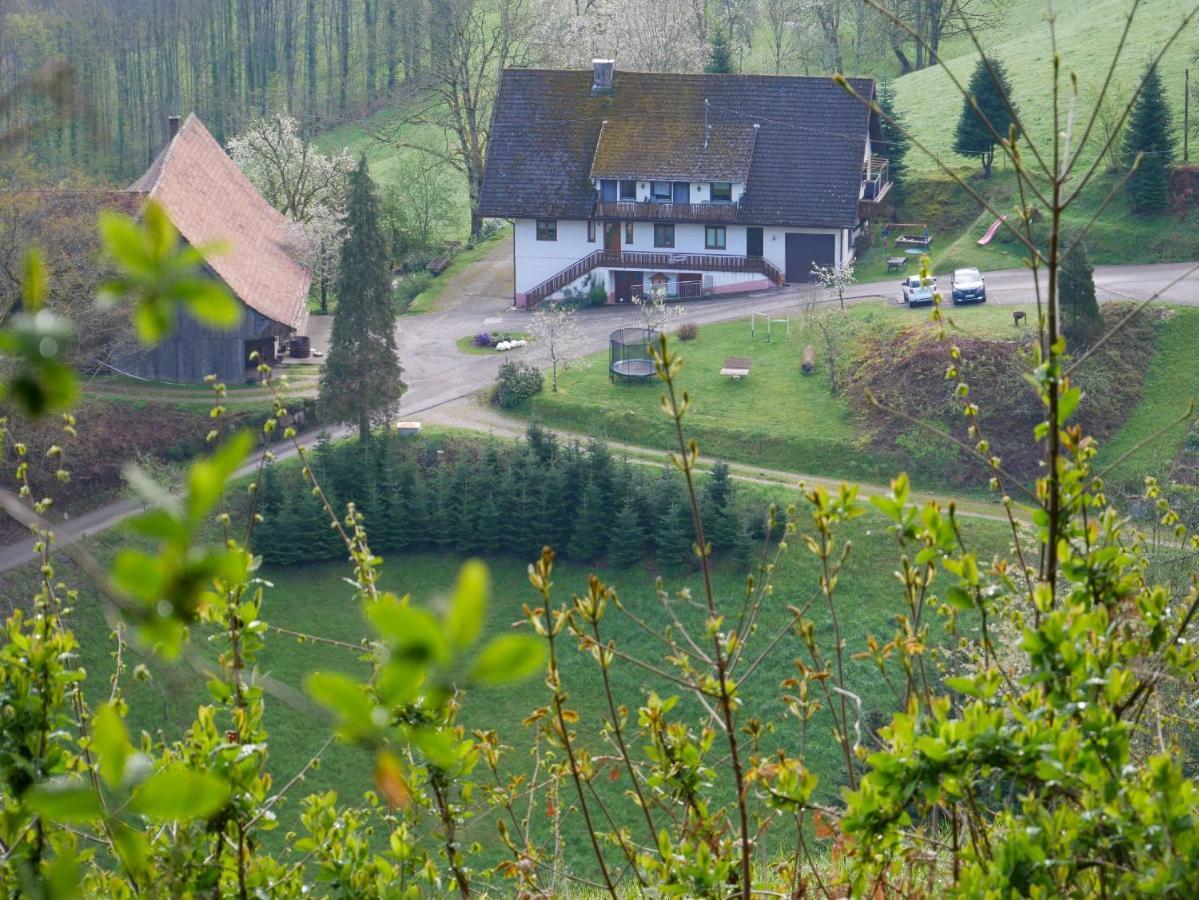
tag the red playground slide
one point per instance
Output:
(986, 238)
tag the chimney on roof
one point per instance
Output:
(602, 71)
(172, 127)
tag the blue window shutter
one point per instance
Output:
(682, 192)
(608, 190)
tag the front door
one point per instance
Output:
(807, 250)
(627, 284)
(612, 237)
(753, 242)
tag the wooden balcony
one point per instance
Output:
(876, 187)
(629, 210)
(657, 262)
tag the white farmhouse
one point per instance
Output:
(699, 184)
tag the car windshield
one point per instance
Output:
(968, 275)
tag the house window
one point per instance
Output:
(661, 191)
(628, 232)
(628, 190)
(591, 231)
(547, 229)
(714, 237)
(722, 192)
(663, 235)
(607, 190)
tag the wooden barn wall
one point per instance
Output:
(194, 350)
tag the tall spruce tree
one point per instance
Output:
(628, 540)
(895, 142)
(1150, 131)
(973, 136)
(360, 383)
(1076, 293)
(720, 54)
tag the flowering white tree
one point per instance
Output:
(835, 278)
(307, 186)
(656, 312)
(559, 335)
(646, 35)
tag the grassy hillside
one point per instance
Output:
(1086, 33)
(316, 600)
(1086, 39)
(388, 164)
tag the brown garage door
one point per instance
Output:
(804, 250)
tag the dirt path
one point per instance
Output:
(440, 376)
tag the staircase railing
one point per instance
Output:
(663, 261)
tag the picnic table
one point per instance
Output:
(895, 263)
(736, 367)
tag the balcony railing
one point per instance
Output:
(665, 212)
(659, 262)
(876, 185)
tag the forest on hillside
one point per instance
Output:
(325, 62)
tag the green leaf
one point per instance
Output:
(345, 698)
(468, 605)
(110, 741)
(64, 800)
(958, 597)
(137, 574)
(1067, 403)
(209, 476)
(35, 280)
(180, 793)
(412, 634)
(123, 240)
(508, 658)
(963, 685)
(211, 304)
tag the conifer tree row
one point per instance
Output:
(464, 498)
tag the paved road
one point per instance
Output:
(479, 299)
(437, 372)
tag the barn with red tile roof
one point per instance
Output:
(213, 204)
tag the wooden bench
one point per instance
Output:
(895, 263)
(736, 367)
(438, 264)
(809, 360)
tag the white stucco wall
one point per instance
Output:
(536, 261)
(774, 244)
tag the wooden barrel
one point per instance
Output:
(301, 346)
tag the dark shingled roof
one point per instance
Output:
(804, 166)
(630, 149)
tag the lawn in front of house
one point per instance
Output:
(775, 417)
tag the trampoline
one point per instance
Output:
(629, 354)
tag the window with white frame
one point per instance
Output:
(661, 191)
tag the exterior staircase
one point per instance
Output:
(636, 259)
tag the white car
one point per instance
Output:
(915, 292)
(968, 286)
